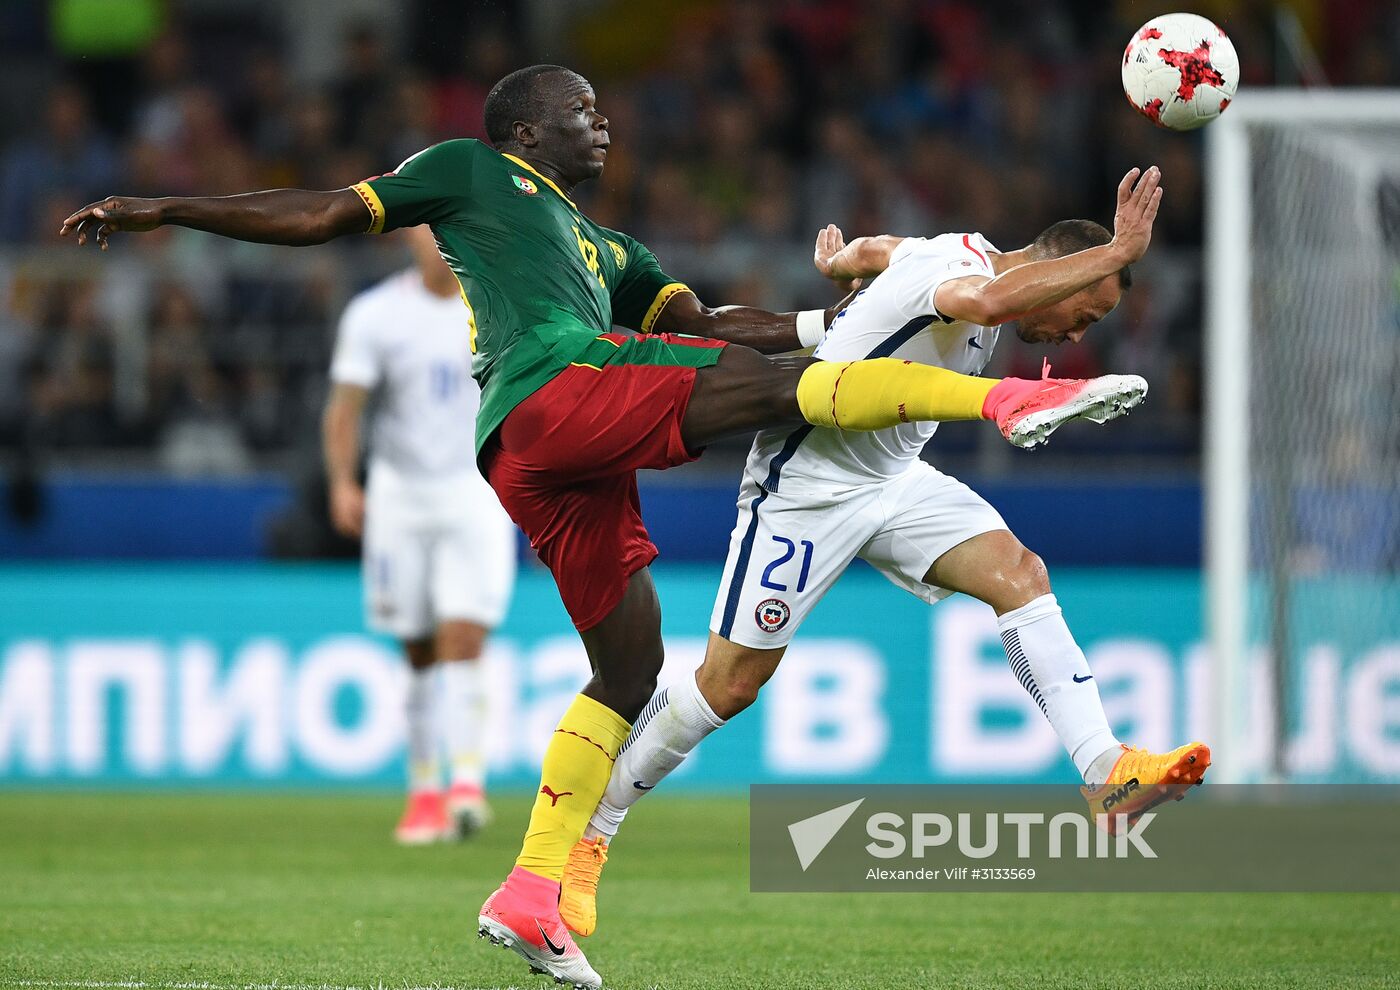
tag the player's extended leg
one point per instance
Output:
(747, 391)
(670, 727)
(459, 646)
(424, 818)
(995, 568)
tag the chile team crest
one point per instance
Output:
(772, 614)
(525, 185)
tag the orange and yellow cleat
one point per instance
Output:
(1141, 780)
(578, 895)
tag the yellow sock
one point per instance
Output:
(576, 769)
(882, 392)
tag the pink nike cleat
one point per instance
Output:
(424, 820)
(523, 914)
(1028, 410)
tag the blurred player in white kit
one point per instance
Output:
(439, 551)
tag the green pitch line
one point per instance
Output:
(236, 891)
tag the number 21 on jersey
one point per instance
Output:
(770, 579)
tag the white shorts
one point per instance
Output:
(434, 552)
(788, 549)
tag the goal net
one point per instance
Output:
(1303, 437)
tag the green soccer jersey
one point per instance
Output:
(540, 280)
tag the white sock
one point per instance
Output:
(671, 725)
(464, 721)
(423, 770)
(1047, 661)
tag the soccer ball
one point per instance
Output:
(1180, 71)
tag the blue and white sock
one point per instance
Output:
(1051, 667)
(671, 725)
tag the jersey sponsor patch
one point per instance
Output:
(957, 266)
(772, 614)
(525, 185)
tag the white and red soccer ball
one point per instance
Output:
(1180, 71)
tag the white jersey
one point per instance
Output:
(894, 316)
(413, 346)
(437, 544)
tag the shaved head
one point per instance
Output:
(524, 95)
(547, 116)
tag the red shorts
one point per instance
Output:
(564, 461)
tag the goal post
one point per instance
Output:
(1302, 431)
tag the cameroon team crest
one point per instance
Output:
(619, 255)
(525, 185)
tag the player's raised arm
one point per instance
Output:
(276, 216)
(1037, 284)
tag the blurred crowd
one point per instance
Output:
(739, 128)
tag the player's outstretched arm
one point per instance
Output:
(769, 333)
(277, 216)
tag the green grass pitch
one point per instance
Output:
(230, 891)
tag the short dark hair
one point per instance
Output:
(514, 98)
(1069, 236)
